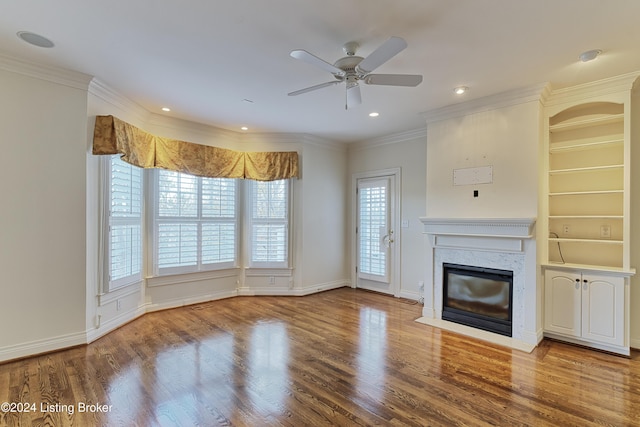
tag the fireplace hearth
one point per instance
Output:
(478, 297)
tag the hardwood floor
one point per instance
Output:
(342, 357)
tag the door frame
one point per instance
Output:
(395, 220)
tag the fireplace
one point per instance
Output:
(506, 244)
(478, 297)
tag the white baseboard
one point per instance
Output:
(103, 329)
(181, 302)
(46, 345)
(415, 296)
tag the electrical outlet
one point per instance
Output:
(118, 305)
(565, 229)
(272, 280)
(605, 231)
(421, 285)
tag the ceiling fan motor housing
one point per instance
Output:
(348, 64)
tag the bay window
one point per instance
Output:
(193, 223)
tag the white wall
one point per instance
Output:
(407, 152)
(42, 220)
(505, 138)
(323, 221)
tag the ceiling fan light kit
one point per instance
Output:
(353, 69)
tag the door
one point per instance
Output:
(375, 233)
(562, 303)
(603, 309)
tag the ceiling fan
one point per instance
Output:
(354, 69)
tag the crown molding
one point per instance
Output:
(596, 89)
(103, 91)
(487, 103)
(395, 138)
(49, 73)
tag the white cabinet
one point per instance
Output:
(587, 308)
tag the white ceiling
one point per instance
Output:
(205, 58)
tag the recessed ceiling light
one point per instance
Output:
(589, 55)
(460, 90)
(35, 39)
(167, 109)
(374, 114)
(244, 128)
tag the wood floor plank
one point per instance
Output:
(344, 357)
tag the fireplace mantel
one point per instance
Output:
(518, 228)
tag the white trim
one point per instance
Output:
(103, 91)
(198, 276)
(49, 73)
(625, 351)
(584, 92)
(101, 329)
(181, 302)
(297, 292)
(488, 103)
(415, 296)
(40, 346)
(396, 138)
(514, 228)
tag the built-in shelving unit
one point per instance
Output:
(586, 185)
(586, 215)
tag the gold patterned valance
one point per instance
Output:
(113, 136)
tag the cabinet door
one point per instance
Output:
(562, 303)
(603, 309)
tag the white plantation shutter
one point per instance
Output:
(269, 223)
(196, 223)
(219, 206)
(373, 226)
(124, 252)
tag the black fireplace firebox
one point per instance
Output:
(478, 297)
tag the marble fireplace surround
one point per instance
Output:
(500, 243)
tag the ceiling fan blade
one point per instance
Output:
(354, 97)
(309, 89)
(305, 56)
(382, 54)
(393, 79)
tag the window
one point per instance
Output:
(124, 253)
(269, 224)
(195, 223)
